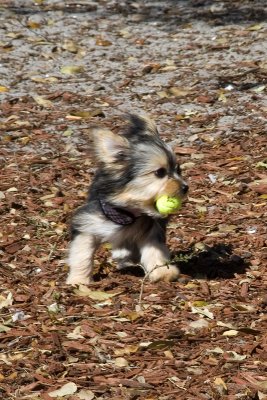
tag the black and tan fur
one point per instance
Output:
(135, 168)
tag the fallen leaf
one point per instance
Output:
(224, 228)
(43, 102)
(70, 46)
(179, 92)
(131, 315)
(121, 362)
(33, 24)
(244, 307)
(169, 354)
(103, 42)
(163, 94)
(76, 333)
(226, 325)
(4, 328)
(199, 324)
(216, 350)
(259, 89)
(67, 389)
(199, 303)
(201, 209)
(261, 164)
(48, 79)
(130, 349)
(233, 356)
(255, 27)
(85, 395)
(53, 308)
(121, 334)
(231, 332)
(94, 294)
(5, 302)
(202, 311)
(72, 69)
(222, 97)
(220, 386)
(161, 345)
(262, 396)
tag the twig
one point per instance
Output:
(143, 282)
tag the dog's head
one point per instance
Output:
(137, 167)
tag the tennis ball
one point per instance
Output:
(168, 205)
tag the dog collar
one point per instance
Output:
(117, 215)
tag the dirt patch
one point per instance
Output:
(199, 69)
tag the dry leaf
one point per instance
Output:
(261, 396)
(131, 315)
(202, 311)
(94, 294)
(85, 395)
(222, 97)
(70, 46)
(67, 389)
(199, 324)
(42, 102)
(262, 164)
(33, 24)
(121, 362)
(130, 349)
(259, 89)
(48, 79)
(103, 42)
(5, 302)
(76, 333)
(232, 355)
(220, 386)
(161, 344)
(4, 328)
(231, 332)
(72, 69)
(179, 92)
(255, 27)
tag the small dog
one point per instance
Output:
(135, 168)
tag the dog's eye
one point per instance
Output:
(120, 156)
(161, 172)
(178, 169)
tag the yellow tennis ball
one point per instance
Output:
(168, 205)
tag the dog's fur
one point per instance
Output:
(135, 168)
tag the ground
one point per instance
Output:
(198, 68)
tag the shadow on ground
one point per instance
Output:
(172, 12)
(217, 262)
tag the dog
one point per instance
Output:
(135, 168)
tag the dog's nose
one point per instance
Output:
(185, 188)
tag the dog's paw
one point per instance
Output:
(167, 273)
(78, 280)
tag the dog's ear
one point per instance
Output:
(140, 125)
(110, 148)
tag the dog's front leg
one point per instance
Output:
(80, 260)
(155, 261)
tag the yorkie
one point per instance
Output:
(135, 168)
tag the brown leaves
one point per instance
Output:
(64, 69)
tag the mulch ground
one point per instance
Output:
(203, 337)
